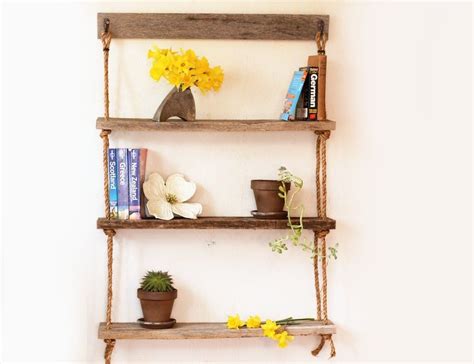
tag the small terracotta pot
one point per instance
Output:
(157, 306)
(266, 195)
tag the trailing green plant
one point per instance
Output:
(157, 282)
(295, 225)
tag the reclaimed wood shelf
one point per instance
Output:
(213, 26)
(194, 330)
(215, 222)
(130, 124)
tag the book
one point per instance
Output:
(113, 191)
(320, 61)
(122, 162)
(293, 95)
(312, 93)
(142, 169)
(136, 176)
(134, 184)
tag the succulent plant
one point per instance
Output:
(157, 282)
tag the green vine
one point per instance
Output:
(295, 234)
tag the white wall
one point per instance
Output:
(399, 86)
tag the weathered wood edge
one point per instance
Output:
(133, 124)
(212, 26)
(184, 331)
(249, 223)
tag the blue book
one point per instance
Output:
(113, 191)
(122, 162)
(293, 95)
(134, 183)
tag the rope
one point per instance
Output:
(110, 344)
(110, 256)
(321, 39)
(321, 201)
(106, 38)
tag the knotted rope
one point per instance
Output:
(320, 236)
(106, 38)
(108, 350)
(321, 39)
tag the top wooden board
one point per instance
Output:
(212, 26)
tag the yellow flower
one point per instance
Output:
(269, 328)
(283, 338)
(234, 322)
(253, 322)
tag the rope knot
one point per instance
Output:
(106, 38)
(324, 134)
(104, 133)
(109, 348)
(322, 234)
(109, 232)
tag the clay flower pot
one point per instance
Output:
(266, 195)
(177, 103)
(157, 306)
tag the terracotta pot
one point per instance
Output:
(157, 306)
(177, 103)
(266, 195)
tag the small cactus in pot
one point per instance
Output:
(157, 295)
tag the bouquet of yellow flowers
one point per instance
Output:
(184, 69)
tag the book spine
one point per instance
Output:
(113, 192)
(320, 61)
(302, 106)
(322, 87)
(122, 183)
(293, 95)
(142, 168)
(312, 93)
(134, 184)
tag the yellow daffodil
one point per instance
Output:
(269, 328)
(184, 69)
(283, 338)
(234, 322)
(253, 322)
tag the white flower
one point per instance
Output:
(166, 199)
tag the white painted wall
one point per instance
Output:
(399, 86)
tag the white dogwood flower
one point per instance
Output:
(167, 199)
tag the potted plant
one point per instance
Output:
(268, 198)
(157, 295)
(183, 70)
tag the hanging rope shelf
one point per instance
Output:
(224, 26)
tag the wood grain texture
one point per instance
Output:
(183, 331)
(212, 26)
(227, 222)
(125, 124)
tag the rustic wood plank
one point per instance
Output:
(214, 222)
(127, 124)
(212, 26)
(183, 331)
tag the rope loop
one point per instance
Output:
(321, 39)
(324, 338)
(106, 38)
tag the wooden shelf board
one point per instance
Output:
(212, 26)
(194, 330)
(127, 124)
(215, 222)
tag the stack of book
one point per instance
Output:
(301, 102)
(126, 168)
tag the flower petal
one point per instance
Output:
(161, 209)
(183, 190)
(188, 210)
(154, 187)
